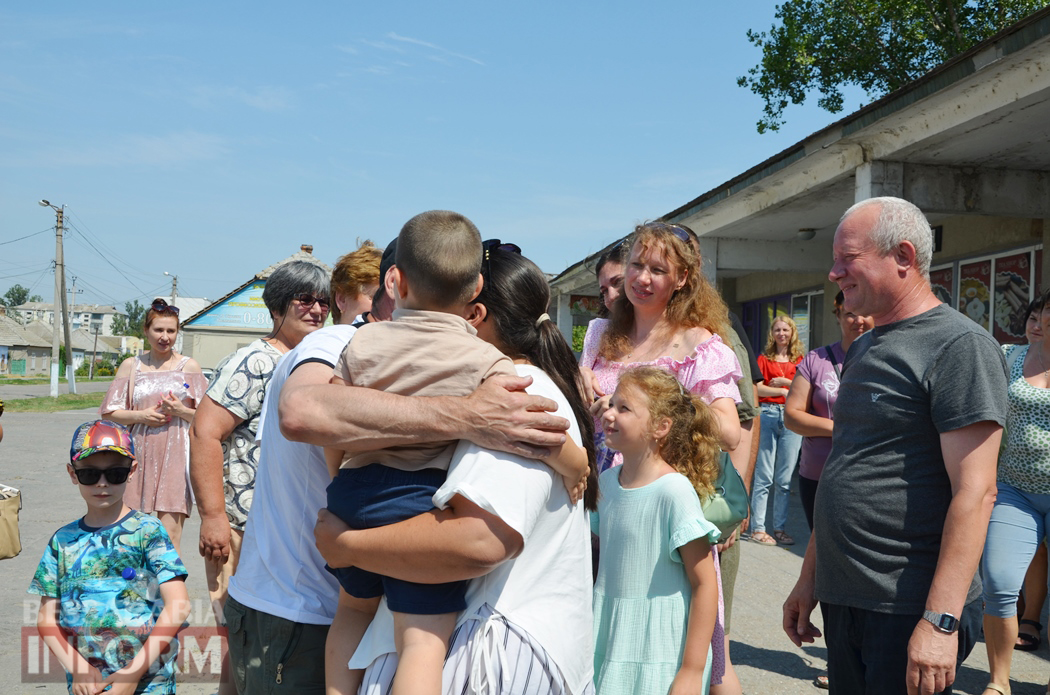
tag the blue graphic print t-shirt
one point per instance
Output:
(107, 582)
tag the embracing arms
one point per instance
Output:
(462, 541)
(498, 415)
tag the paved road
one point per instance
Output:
(35, 448)
(11, 391)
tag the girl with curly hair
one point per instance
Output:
(656, 598)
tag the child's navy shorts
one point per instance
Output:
(377, 495)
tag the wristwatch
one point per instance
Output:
(943, 622)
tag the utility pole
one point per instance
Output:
(174, 286)
(73, 300)
(60, 264)
(94, 352)
(60, 295)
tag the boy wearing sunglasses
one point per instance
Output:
(112, 588)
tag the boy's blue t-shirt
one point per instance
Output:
(107, 581)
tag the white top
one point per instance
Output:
(280, 571)
(546, 590)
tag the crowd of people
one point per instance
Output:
(433, 495)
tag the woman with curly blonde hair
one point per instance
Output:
(668, 316)
(779, 446)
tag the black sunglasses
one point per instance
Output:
(307, 300)
(487, 248)
(114, 476)
(160, 306)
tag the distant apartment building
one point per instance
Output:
(93, 318)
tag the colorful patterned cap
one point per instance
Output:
(100, 435)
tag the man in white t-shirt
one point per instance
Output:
(281, 599)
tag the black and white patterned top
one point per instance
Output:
(239, 386)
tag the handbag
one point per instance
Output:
(10, 504)
(729, 504)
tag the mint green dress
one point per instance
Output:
(641, 597)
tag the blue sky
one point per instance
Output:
(211, 139)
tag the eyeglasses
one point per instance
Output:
(160, 306)
(114, 476)
(488, 246)
(307, 300)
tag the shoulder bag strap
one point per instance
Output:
(834, 361)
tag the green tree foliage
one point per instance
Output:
(132, 323)
(19, 295)
(578, 334)
(878, 45)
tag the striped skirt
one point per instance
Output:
(487, 655)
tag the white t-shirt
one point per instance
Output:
(546, 590)
(280, 571)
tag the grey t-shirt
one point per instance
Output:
(884, 492)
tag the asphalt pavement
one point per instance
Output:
(12, 389)
(35, 448)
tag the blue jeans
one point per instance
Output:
(1020, 521)
(777, 456)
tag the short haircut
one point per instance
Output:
(900, 221)
(439, 254)
(290, 279)
(354, 272)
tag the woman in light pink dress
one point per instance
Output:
(156, 395)
(668, 316)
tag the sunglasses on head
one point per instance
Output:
(160, 306)
(114, 476)
(675, 229)
(487, 248)
(307, 300)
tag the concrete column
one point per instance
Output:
(1045, 280)
(878, 178)
(709, 255)
(563, 316)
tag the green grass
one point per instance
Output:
(45, 404)
(31, 380)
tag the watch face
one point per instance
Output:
(947, 623)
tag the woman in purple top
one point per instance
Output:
(809, 404)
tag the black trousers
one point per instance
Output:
(868, 651)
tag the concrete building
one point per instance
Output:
(90, 317)
(236, 319)
(969, 143)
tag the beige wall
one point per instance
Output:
(209, 347)
(973, 235)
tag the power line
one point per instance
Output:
(27, 236)
(86, 232)
(21, 275)
(106, 259)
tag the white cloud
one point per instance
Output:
(426, 44)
